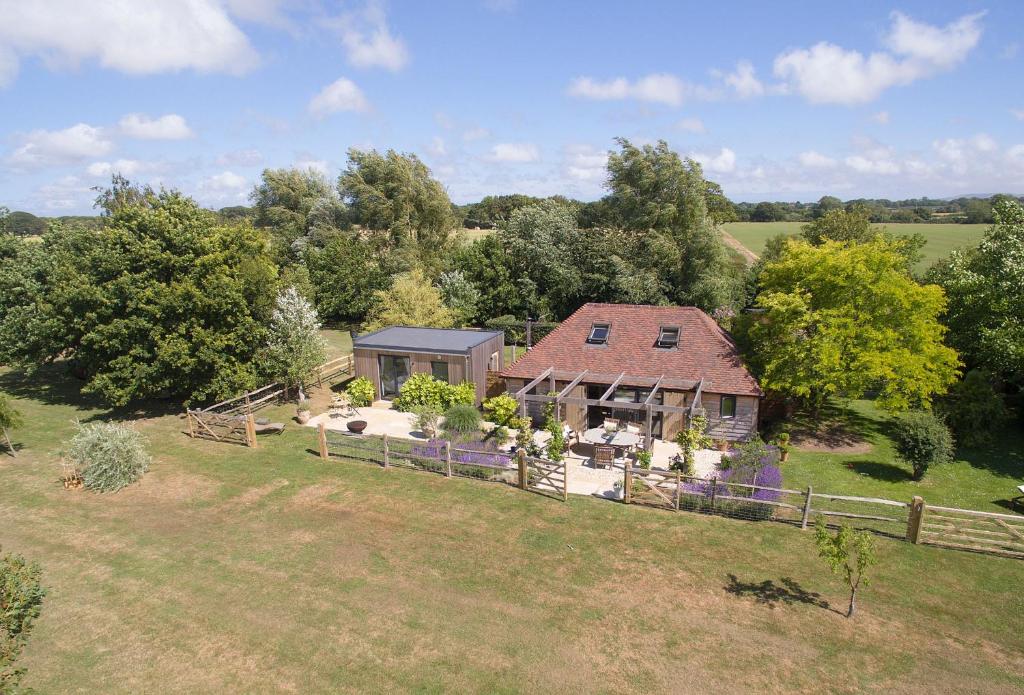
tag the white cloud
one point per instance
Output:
(66, 193)
(340, 95)
(881, 117)
(135, 38)
(516, 152)
(437, 147)
(306, 161)
(585, 163)
(865, 165)
(42, 148)
(168, 127)
(815, 160)
(692, 125)
(474, 134)
(721, 163)
(744, 82)
(660, 88)
(368, 40)
(241, 158)
(827, 73)
(128, 167)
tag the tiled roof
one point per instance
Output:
(704, 350)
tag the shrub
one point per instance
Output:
(922, 440)
(360, 392)
(427, 419)
(108, 456)
(459, 393)
(693, 437)
(643, 459)
(423, 389)
(753, 455)
(973, 409)
(10, 418)
(524, 432)
(501, 409)
(21, 599)
(461, 419)
(556, 445)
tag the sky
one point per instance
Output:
(777, 101)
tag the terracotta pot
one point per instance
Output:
(723, 445)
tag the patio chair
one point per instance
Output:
(604, 456)
(635, 429)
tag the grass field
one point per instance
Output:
(942, 238)
(228, 569)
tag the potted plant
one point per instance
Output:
(618, 490)
(782, 441)
(643, 459)
(723, 445)
(302, 411)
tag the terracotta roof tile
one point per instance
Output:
(704, 350)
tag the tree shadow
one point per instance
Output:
(769, 593)
(879, 470)
(835, 426)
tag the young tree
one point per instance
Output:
(692, 438)
(848, 553)
(985, 287)
(843, 318)
(295, 346)
(459, 295)
(922, 440)
(10, 418)
(410, 301)
(21, 600)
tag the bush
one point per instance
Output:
(973, 409)
(21, 599)
(501, 409)
(922, 440)
(360, 392)
(753, 455)
(108, 456)
(423, 389)
(461, 419)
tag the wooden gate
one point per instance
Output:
(234, 428)
(546, 477)
(654, 488)
(983, 532)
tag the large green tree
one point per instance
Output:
(160, 301)
(299, 207)
(396, 194)
(658, 195)
(843, 318)
(985, 286)
(410, 301)
(344, 274)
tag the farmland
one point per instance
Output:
(942, 238)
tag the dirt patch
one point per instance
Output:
(254, 495)
(834, 437)
(735, 244)
(179, 487)
(824, 446)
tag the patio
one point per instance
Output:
(584, 477)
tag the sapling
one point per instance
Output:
(848, 553)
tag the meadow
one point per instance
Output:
(942, 238)
(229, 569)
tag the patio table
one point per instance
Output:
(619, 439)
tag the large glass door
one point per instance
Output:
(596, 415)
(394, 370)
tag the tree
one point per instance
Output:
(24, 224)
(410, 301)
(922, 440)
(848, 553)
(839, 225)
(21, 600)
(295, 346)
(663, 200)
(161, 301)
(978, 211)
(973, 409)
(843, 318)
(692, 438)
(825, 204)
(10, 419)
(344, 275)
(767, 212)
(459, 295)
(985, 286)
(396, 194)
(297, 206)
(486, 265)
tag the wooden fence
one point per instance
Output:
(963, 529)
(446, 458)
(331, 370)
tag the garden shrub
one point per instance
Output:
(423, 389)
(555, 448)
(973, 409)
(459, 393)
(501, 409)
(21, 599)
(360, 392)
(108, 456)
(460, 420)
(922, 440)
(753, 455)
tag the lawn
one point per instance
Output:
(228, 569)
(942, 238)
(984, 478)
(339, 342)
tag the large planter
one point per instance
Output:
(356, 426)
(303, 416)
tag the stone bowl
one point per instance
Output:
(356, 426)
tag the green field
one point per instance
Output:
(234, 570)
(942, 238)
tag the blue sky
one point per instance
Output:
(782, 100)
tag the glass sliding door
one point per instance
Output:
(394, 370)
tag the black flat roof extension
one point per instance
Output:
(410, 338)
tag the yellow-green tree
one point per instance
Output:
(844, 318)
(410, 301)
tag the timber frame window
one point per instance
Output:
(439, 370)
(599, 333)
(668, 337)
(727, 407)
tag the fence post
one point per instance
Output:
(322, 438)
(807, 509)
(191, 429)
(679, 487)
(521, 461)
(627, 483)
(714, 491)
(448, 458)
(915, 519)
(387, 457)
(565, 481)
(250, 430)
